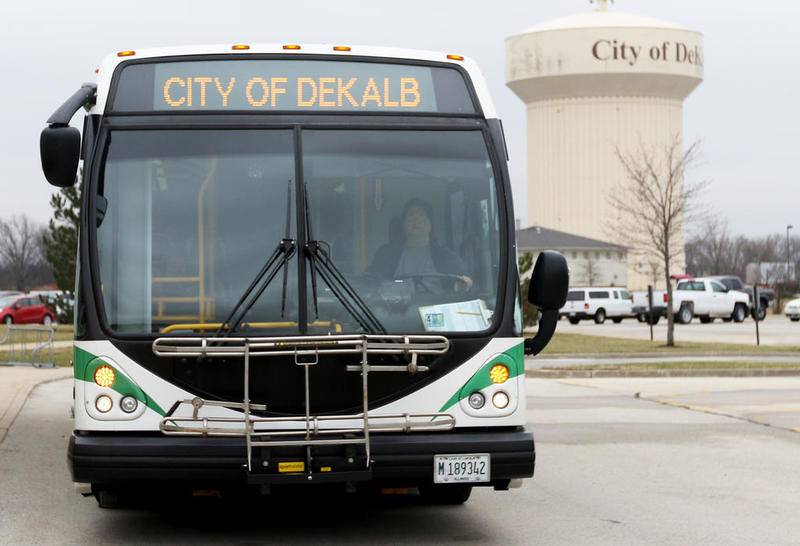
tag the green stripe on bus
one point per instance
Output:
(514, 358)
(85, 366)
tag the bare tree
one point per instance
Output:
(711, 250)
(654, 200)
(20, 249)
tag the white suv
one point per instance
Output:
(597, 304)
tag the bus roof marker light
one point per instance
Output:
(126, 53)
(104, 376)
(341, 48)
(291, 46)
(455, 57)
(499, 373)
(240, 47)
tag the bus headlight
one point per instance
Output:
(103, 403)
(500, 400)
(128, 404)
(476, 400)
(499, 373)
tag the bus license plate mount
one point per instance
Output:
(462, 468)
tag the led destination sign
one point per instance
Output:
(291, 85)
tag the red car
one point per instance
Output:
(24, 309)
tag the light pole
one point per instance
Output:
(788, 252)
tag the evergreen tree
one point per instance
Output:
(60, 240)
(530, 314)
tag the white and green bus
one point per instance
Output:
(296, 266)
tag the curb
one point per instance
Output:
(18, 402)
(699, 372)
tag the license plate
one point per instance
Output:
(467, 468)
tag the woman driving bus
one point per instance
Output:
(417, 253)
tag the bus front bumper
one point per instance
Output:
(396, 458)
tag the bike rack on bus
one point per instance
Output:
(306, 350)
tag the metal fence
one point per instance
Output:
(27, 346)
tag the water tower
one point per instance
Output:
(591, 83)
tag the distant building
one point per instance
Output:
(591, 261)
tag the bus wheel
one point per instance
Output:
(446, 494)
(107, 498)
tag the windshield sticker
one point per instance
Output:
(462, 316)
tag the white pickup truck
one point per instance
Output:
(708, 299)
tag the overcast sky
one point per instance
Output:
(746, 111)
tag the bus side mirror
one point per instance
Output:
(547, 291)
(60, 150)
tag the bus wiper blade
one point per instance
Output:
(322, 264)
(318, 252)
(279, 259)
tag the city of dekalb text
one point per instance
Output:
(279, 92)
(615, 50)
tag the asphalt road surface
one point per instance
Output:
(775, 330)
(611, 469)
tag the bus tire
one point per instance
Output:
(600, 316)
(739, 313)
(685, 314)
(108, 499)
(446, 495)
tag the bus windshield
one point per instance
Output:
(408, 218)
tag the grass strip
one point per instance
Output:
(722, 364)
(587, 344)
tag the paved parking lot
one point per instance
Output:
(623, 461)
(775, 330)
